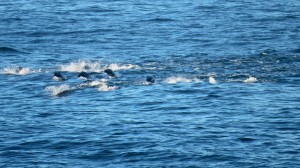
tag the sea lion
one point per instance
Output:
(83, 75)
(110, 73)
(58, 76)
(150, 79)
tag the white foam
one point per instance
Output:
(58, 79)
(116, 67)
(83, 85)
(81, 66)
(16, 70)
(212, 80)
(83, 78)
(250, 80)
(106, 88)
(98, 82)
(174, 80)
(88, 66)
(57, 90)
(146, 83)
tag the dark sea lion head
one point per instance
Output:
(59, 76)
(83, 75)
(110, 73)
(150, 79)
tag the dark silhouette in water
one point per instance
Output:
(150, 79)
(8, 50)
(18, 69)
(83, 75)
(59, 76)
(86, 67)
(110, 73)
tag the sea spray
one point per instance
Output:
(116, 67)
(104, 87)
(81, 66)
(250, 80)
(174, 80)
(16, 70)
(58, 90)
(212, 80)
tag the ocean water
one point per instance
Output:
(226, 90)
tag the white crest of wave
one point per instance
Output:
(80, 66)
(16, 70)
(212, 80)
(82, 78)
(250, 80)
(98, 82)
(116, 67)
(56, 90)
(145, 83)
(174, 80)
(104, 87)
(57, 78)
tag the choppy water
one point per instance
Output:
(226, 91)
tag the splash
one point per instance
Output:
(102, 85)
(105, 88)
(83, 78)
(250, 80)
(57, 78)
(91, 84)
(116, 67)
(58, 90)
(16, 70)
(98, 82)
(81, 66)
(212, 80)
(174, 80)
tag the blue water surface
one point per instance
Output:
(226, 90)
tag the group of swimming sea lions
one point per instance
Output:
(85, 75)
(58, 76)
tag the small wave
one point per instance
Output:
(212, 80)
(160, 20)
(59, 90)
(174, 80)
(89, 31)
(81, 66)
(8, 50)
(116, 67)
(250, 80)
(16, 70)
(95, 9)
(296, 50)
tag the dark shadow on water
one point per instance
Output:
(10, 50)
